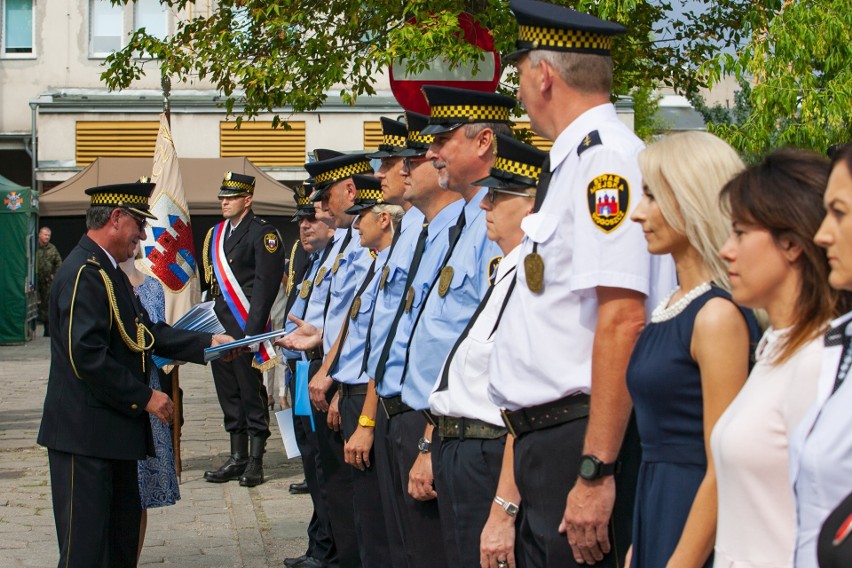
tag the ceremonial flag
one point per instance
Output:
(169, 252)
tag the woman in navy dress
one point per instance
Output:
(693, 356)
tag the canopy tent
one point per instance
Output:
(7, 184)
(201, 180)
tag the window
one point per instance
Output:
(106, 27)
(17, 31)
(152, 16)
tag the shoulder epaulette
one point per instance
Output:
(260, 220)
(591, 139)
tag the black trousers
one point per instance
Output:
(370, 525)
(546, 464)
(97, 510)
(382, 466)
(242, 396)
(337, 486)
(320, 540)
(419, 520)
(468, 476)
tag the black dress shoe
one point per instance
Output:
(299, 488)
(295, 561)
(230, 470)
(310, 562)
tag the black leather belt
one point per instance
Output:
(462, 428)
(350, 390)
(546, 415)
(394, 405)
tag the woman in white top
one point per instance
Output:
(773, 265)
(821, 448)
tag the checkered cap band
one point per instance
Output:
(417, 140)
(392, 141)
(304, 201)
(569, 40)
(469, 113)
(369, 194)
(119, 199)
(343, 172)
(517, 168)
(238, 185)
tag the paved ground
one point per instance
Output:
(211, 526)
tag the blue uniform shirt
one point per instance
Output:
(445, 316)
(348, 269)
(388, 298)
(300, 304)
(315, 314)
(348, 369)
(437, 243)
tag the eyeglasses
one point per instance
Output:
(493, 191)
(140, 222)
(407, 162)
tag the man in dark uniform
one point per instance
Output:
(244, 263)
(95, 425)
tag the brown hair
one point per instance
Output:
(842, 154)
(783, 194)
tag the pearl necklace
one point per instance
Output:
(663, 313)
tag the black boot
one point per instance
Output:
(254, 472)
(236, 464)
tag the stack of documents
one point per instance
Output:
(250, 341)
(200, 318)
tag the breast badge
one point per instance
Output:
(336, 264)
(409, 299)
(320, 275)
(356, 307)
(305, 289)
(534, 271)
(384, 279)
(444, 281)
(609, 200)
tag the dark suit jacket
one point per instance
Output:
(258, 266)
(97, 390)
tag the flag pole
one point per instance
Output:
(166, 84)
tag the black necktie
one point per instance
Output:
(543, 184)
(343, 246)
(345, 329)
(412, 270)
(455, 233)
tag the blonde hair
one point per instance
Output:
(685, 172)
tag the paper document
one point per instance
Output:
(285, 426)
(213, 353)
(200, 317)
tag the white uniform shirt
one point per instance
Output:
(821, 453)
(466, 392)
(543, 347)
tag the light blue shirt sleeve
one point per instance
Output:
(315, 314)
(348, 271)
(445, 315)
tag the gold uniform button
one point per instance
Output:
(134, 406)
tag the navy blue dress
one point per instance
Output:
(665, 384)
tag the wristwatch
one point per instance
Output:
(510, 508)
(366, 422)
(591, 468)
(424, 445)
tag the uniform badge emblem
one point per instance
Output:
(384, 279)
(305, 289)
(409, 299)
(609, 200)
(320, 275)
(356, 307)
(444, 281)
(336, 264)
(270, 241)
(492, 268)
(534, 271)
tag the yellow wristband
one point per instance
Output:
(366, 422)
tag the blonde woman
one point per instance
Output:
(692, 358)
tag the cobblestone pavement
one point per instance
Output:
(211, 526)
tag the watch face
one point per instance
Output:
(588, 468)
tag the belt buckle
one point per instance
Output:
(505, 415)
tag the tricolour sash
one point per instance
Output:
(264, 358)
